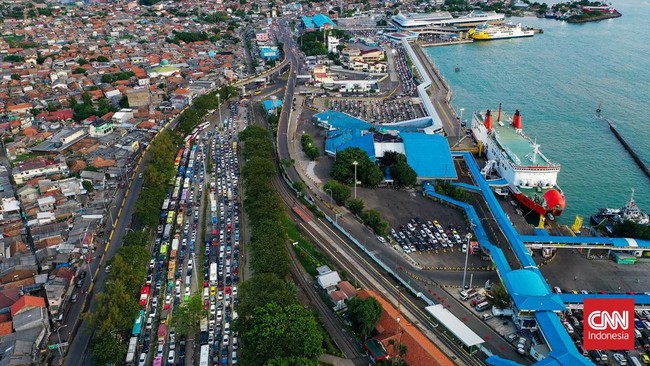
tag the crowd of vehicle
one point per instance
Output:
(222, 262)
(404, 71)
(384, 111)
(418, 235)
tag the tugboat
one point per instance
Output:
(531, 177)
(608, 217)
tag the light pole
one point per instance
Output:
(468, 236)
(460, 119)
(219, 107)
(355, 163)
(58, 334)
(330, 191)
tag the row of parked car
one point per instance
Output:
(418, 235)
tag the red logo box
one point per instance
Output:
(608, 324)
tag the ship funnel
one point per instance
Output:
(488, 120)
(516, 120)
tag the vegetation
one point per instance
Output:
(368, 173)
(457, 193)
(309, 147)
(400, 350)
(282, 334)
(372, 219)
(311, 43)
(13, 58)
(188, 37)
(188, 315)
(193, 116)
(355, 205)
(364, 315)
(156, 178)
(340, 192)
(86, 108)
(276, 330)
(124, 75)
(402, 173)
(499, 296)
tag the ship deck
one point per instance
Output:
(516, 145)
(531, 192)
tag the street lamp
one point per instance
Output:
(330, 191)
(58, 334)
(468, 237)
(355, 163)
(460, 119)
(219, 107)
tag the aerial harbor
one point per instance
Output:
(306, 183)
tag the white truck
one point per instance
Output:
(213, 273)
(468, 294)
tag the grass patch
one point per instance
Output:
(310, 258)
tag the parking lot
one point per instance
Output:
(384, 111)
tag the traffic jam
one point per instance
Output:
(173, 273)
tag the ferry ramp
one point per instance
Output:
(544, 240)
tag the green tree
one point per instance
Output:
(291, 361)
(391, 158)
(124, 102)
(399, 351)
(372, 219)
(102, 59)
(82, 61)
(340, 192)
(88, 186)
(343, 168)
(356, 205)
(261, 289)
(188, 315)
(107, 349)
(15, 76)
(136, 238)
(403, 174)
(51, 107)
(499, 296)
(107, 78)
(282, 332)
(364, 314)
(630, 229)
(79, 70)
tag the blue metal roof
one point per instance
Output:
(639, 298)
(365, 143)
(268, 104)
(336, 138)
(587, 240)
(306, 21)
(498, 361)
(321, 19)
(529, 292)
(341, 120)
(563, 350)
(429, 155)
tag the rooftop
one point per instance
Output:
(429, 155)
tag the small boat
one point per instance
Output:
(457, 69)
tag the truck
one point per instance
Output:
(468, 294)
(130, 353)
(213, 186)
(175, 242)
(213, 273)
(162, 333)
(167, 231)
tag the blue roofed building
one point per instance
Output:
(429, 155)
(269, 53)
(271, 105)
(317, 22)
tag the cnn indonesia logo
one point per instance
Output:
(609, 324)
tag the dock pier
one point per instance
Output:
(626, 146)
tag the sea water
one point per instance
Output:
(557, 80)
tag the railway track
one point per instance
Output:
(369, 276)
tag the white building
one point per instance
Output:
(332, 44)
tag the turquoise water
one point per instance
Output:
(557, 79)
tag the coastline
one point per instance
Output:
(595, 19)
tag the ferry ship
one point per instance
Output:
(487, 32)
(529, 175)
(608, 217)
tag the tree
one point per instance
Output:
(107, 349)
(187, 316)
(15, 76)
(102, 59)
(355, 205)
(88, 186)
(51, 107)
(403, 174)
(399, 351)
(343, 169)
(291, 361)
(372, 219)
(261, 289)
(364, 314)
(79, 70)
(137, 238)
(392, 157)
(630, 229)
(124, 102)
(282, 332)
(340, 192)
(499, 297)
(82, 61)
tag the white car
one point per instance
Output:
(381, 239)
(143, 359)
(226, 340)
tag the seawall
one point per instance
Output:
(626, 146)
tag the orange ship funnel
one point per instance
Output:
(488, 120)
(516, 120)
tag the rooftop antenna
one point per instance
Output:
(535, 151)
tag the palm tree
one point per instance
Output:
(399, 350)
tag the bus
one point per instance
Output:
(144, 295)
(203, 126)
(205, 355)
(130, 353)
(158, 361)
(171, 270)
(165, 205)
(137, 324)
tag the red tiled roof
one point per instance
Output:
(27, 302)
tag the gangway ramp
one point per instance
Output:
(585, 242)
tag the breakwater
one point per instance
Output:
(629, 149)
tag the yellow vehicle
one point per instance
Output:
(258, 92)
(644, 358)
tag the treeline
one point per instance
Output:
(117, 306)
(276, 329)
(188, 37)
(86, 108)
(124, 75)
(194, 115)
(159, 171)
